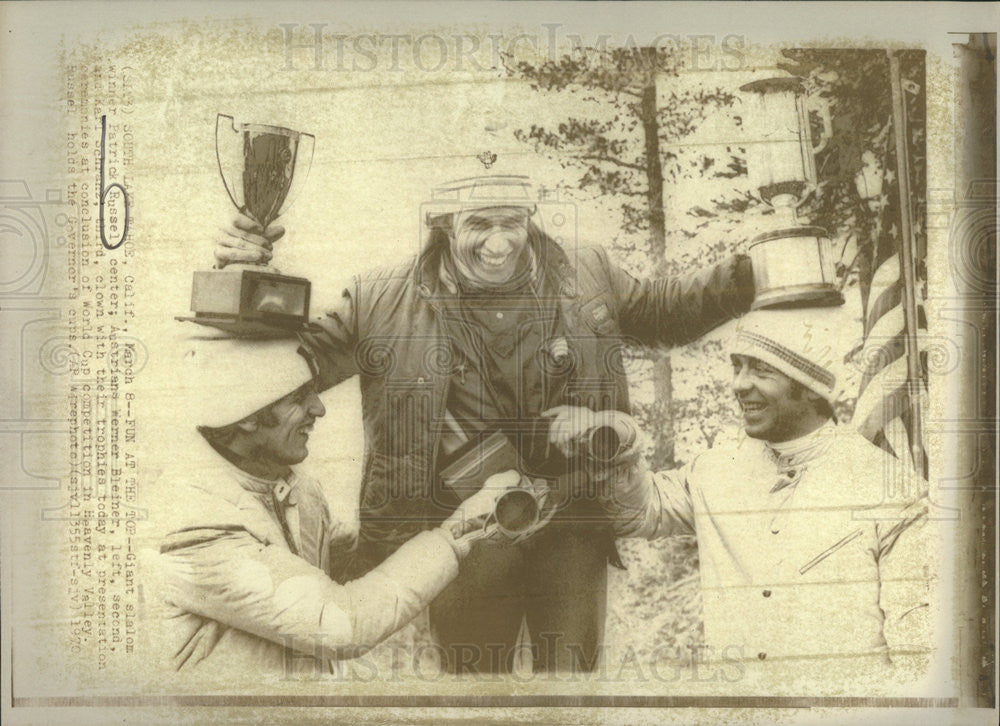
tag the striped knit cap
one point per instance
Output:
(800, 343)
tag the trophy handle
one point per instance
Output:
(821, 106)
(301, 164)
(227, 181)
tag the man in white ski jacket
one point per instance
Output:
(812, 541)
(244, 568)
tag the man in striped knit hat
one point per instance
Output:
(811, 540)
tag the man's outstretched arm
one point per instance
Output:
(227, 575)
(234, 579)
(638, 502)
(333, 338)
(678, 310)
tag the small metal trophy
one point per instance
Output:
(262, 167)
(793, 264)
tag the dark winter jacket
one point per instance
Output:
(389, 328)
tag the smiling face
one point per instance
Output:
(775, 407)
(488, 244)
(282, 437)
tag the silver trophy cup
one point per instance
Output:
(262, 168)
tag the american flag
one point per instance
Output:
(893, 283)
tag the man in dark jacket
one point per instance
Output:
(488, 328)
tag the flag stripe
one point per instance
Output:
(882, 409)
(886, 328)
(878, 357)
(886, 275)
(889, 298)
(886, 382)
(898, 437)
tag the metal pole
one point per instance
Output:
(913, 373)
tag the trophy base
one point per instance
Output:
(243, 328)
(794, 188)
(247, 302)
(793, 267)
(802, 297)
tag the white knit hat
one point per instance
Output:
(801, 343)
(481, 192)
(226, 379)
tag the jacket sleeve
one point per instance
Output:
(671, 511)
(650, 505)
(678, 310)
(333, 338)
(638, 503)
(233, 578)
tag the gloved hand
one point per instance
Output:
(611, 445)
(244, 240)
(629, 497)
(474, 519)
(605, 438)
(567, 427)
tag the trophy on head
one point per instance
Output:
(792, 263)
(262, 168)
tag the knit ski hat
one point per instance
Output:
(799, 342)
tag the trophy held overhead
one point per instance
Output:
(793, 263)
(262, 168)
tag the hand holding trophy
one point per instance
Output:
(262, 169)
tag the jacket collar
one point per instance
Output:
(805, 448)
(280, 487)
